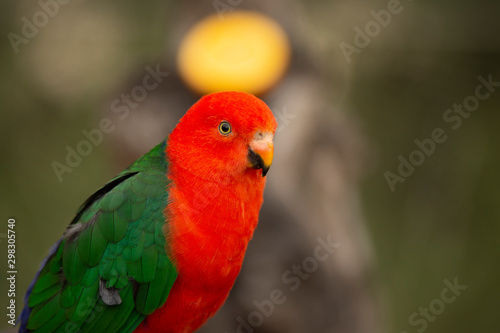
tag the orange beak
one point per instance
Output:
(260, 152)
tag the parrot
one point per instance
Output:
(158, 248)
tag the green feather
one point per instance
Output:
(38, 298)
(73, 267)
(132, 322)
(138, 205)
(42, 314)
(139, 188)
(117, 237)
(45, 282)
(54, 324)
(149, 261)
(55, 263)
(127, 309)
(93, 323)
(150, 296)
(137, 245)
(135, 270)
(70, 294)
(91, 245)
(108, 227)
(85, 303)
(112, 202)
(91, 277)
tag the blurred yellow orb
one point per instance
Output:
(242, 50)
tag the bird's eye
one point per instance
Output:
(224, 128)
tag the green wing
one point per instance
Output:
(111, 268)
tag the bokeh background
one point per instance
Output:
(352, 119)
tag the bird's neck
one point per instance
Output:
(211, 221)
